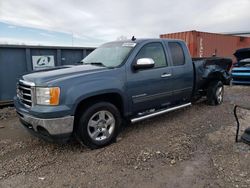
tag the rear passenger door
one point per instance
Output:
(182, 72)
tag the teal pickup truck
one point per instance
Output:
(121, 81)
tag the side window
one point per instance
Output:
(177, 53)
(154, 51)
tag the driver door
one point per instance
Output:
(150, 88)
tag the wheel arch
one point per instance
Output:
(113, 97)
(217, 76)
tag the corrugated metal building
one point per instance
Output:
(203, 44)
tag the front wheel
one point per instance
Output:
(215, 93)
(99, 125)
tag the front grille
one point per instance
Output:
(241, 71)
(24, 92)
(241, 78)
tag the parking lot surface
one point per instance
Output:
(192, 147)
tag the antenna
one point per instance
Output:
(133, 38)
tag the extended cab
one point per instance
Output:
(122, 81)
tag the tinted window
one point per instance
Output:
(176, 53)
(154, 51)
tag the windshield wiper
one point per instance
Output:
(95, 63)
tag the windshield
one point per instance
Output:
(244, 63)
(110, 54)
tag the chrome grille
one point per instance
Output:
(24, 92)
(238, 78)
(241, 71)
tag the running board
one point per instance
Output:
(159, 113)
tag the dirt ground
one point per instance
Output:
(192, 147)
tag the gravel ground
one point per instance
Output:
(192, 147)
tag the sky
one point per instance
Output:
(93, 22)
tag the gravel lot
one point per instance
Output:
(193, 147)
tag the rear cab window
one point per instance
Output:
(176, 53)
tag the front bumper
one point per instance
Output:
(241, 76)
(242, 81)
(54, 129)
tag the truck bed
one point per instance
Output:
(206, 69)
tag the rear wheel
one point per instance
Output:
(215, 93)
(99, 125)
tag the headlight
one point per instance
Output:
(47, 96)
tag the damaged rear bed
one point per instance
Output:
(211, 68)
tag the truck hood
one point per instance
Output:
(243, 53)
(45, 76)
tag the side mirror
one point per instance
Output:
(144, 63)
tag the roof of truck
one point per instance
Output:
(149, 39)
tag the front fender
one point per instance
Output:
(77, 93)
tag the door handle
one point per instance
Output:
(164, 75)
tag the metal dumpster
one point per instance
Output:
(16, 60)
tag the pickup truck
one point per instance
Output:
(118, 83)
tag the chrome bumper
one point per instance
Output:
(55, 126)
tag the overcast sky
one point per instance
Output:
(93, 22)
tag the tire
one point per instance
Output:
(215, 93)
(98, 125)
